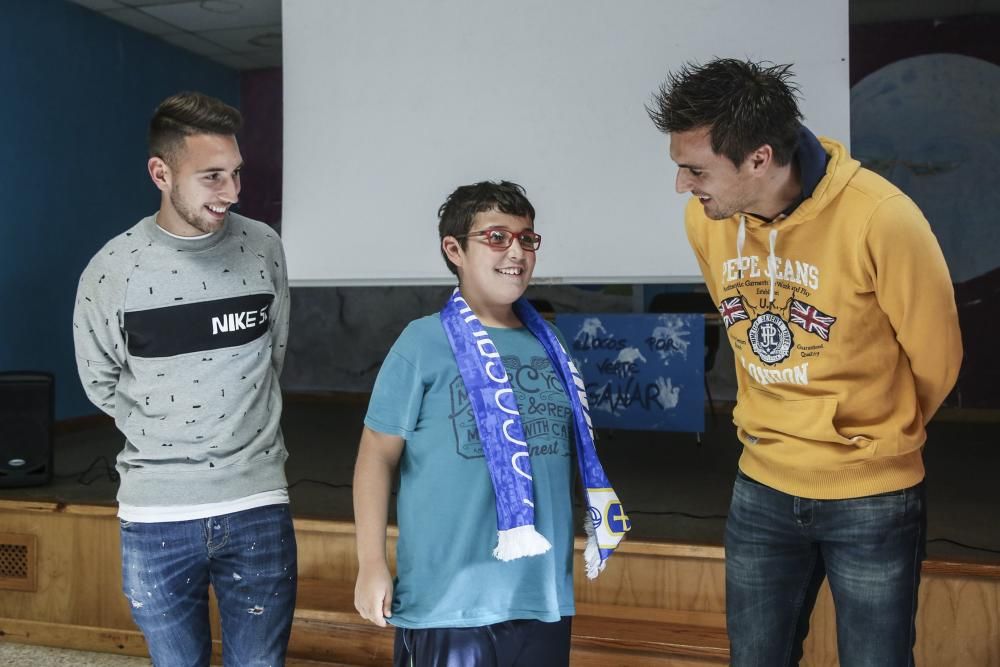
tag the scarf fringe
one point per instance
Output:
(592, 552)
(519, 542)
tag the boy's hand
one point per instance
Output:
(373, 594)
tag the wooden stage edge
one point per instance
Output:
(638, 547)
(657, 604)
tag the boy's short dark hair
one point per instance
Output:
(744, 104)
(459, 210)
(185, 114)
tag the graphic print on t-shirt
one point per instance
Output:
(541, 400)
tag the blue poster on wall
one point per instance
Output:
(643, 372)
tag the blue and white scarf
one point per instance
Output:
(505, 446)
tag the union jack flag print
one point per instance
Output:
(732, 310)
(811, 319)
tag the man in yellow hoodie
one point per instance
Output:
(841, 314)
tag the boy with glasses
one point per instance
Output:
(484, 556)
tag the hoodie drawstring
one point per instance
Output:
(772, 261)
(741, 237)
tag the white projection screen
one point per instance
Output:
(391, 104)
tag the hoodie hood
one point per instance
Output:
(819, 186)
(825, 169)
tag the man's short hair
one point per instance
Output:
(744, 104)
(186, 114)
(459, 210)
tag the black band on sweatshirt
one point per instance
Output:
(196, 327)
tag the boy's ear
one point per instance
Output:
(453, 250)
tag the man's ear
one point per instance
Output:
(760, 159)
(453, 250)
(159, 172)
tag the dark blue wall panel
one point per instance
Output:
(76, 94)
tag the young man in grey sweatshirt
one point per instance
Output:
(180, 328)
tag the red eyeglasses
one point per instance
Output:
(499, 238)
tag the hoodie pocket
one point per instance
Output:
(764, 418)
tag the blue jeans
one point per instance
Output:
(248, 557)
(780, 547)
(521, 643)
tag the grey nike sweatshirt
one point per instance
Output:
(182, 342)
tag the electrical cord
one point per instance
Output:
(320, 482)
(89, 475)
(686, 515)
(963, 545)
(82, 476)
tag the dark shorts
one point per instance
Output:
(508, 644)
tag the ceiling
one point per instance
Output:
(242, 34)
(246, 34)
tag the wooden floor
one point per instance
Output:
(656, 604)
(27, 655)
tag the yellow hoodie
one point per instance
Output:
(847, 348)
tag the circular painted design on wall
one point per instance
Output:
(931, 125)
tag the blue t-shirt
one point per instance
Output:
(446, 575)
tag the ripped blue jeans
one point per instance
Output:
(248, 557)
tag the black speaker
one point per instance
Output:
(26, 417)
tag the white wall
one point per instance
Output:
(390, 105)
